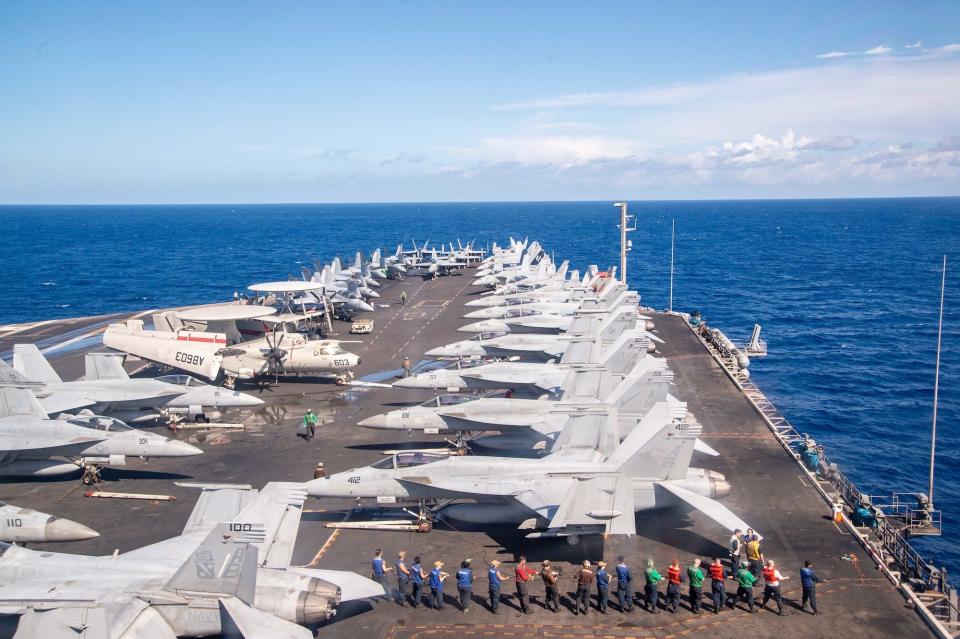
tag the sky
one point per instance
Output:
(206, 102)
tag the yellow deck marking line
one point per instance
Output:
(327, 544)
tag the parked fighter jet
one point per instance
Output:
(575, 490)
(351, 293)
(393, 266)
(441, 264)
(23, 525)
(228, 573)
(33, 445)
(534, 424)
(218, 349)
(106, 388)
(537, 378)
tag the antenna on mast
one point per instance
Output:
(673, 229)
(625, 244)
(936, 381)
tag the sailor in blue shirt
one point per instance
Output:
(436, 585)
(809, 581)
(603, 586)
(495, 580)
(417, 575)
(403, 578)
(465, 585)
(624, 585)
(380, 570)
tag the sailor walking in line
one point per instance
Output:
(673, 586)
(771, 586)
(651, 591)
(695, 579)
(603, 587)
(523, 574)
(417, 575)
(745, 581)
(380, 570)
(718, 589)
(465, 585)
(584, 579)
(496, 579)
(437, 577)
(624, 585)
(551, 598)
(403, 578)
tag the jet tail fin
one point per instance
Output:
(29, 361)
(661, 446)
(224, 563)
(104, 366)
(622, 356)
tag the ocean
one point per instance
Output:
(847, 292)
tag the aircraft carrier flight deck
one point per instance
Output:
(768, 490)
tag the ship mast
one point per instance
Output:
(936, 381)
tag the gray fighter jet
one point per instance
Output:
(537, 378)
(577, 489)
(23, 526)
(33, 445)
(227, 573)
(106, 388)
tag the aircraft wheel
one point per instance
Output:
(573, 540)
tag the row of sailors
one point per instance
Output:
(418, 579)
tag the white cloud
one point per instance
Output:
(835, 54)
(915, 45)
(556, 150)
(878, 50)
(951, 48)
(652, 97)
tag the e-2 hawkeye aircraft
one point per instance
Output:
(221, 350)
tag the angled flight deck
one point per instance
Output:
(768, 491)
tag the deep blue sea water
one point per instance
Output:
(847, 292)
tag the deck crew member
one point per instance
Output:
(809, 581)
(310, 422)
(718, 591)
(651, 592)
(465, 585)
(551, 598)
(755, 556)
(695, 579)
(496, 578)
(584, 578)
(380, 570)
(403, 298)
(437, 577)
(403, 577)
(624, 585)
(603, 586)
(522, 575)
(673, 586)
(417, 575)
(407, 366)
(735, 548)
(771, 586)
(745, 581)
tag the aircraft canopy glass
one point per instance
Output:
(520, 312)
(406, 460)
(331, 348)
(99, 422)
(3, 547)
(450, 399)
(179, 380)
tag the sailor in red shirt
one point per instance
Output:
(717, 588)
(524, 574)
(673, 586)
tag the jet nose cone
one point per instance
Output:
(66, 530)
(246, 399)
(175, 448)
(377, 421)
(475, 327)
(440, 351)
(321, 488)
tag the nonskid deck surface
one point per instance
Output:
(768, 491)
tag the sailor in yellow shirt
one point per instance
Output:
(755, 556)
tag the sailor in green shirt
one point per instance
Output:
(695, 577)
(650, 590)
(310, 422)
(745, 581)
